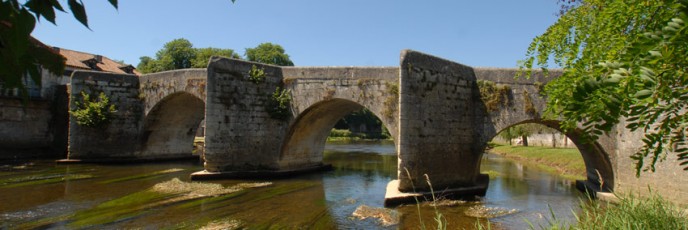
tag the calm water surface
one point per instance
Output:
(159, 196)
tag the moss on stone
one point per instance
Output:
(494, 95)
(391, 101)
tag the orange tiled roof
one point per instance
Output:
(78, 60)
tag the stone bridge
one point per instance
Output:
(432, 108)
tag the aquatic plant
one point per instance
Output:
(481, 211)
(143, 176)
(387, 217)
(41, 179)
(141, 203)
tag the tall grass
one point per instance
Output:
(631, 212)
(439, 218)
(653, 212)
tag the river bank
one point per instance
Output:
(562, 161)
(339, 135)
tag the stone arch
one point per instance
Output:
(171, 125)
(305, 140)
(599, 170)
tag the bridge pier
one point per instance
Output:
(394, 197)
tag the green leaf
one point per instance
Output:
(642, 94)
(79, 12)
(655, 53)
(42, 8)
(113, 3)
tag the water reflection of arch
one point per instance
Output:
(599, 171)
(171, 125)
(305, 141)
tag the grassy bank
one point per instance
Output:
(337, 135)
(563, 161)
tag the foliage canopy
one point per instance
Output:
(180, 54)
(269, 53)
(21, 54)
(625, 62)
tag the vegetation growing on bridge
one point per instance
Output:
(493, 95)
(391, 101)
(278, 104)
(528, 105)
(93, 112)
(256, 75)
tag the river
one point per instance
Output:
(41, 194)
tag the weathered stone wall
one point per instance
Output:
(25, 129)
(157, 86)
(438, 133)
(669, 179)
(240, 134)
(175, 106)
(323, 95)
(526, 104)
(607, 160)
(119, 139)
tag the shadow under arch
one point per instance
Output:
(305, 141)
(170, 126)
(598, 167)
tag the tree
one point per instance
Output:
(204, 54)
(180, 54)
(21, 54)
(509, 134)
(269, 53)
(623, 60)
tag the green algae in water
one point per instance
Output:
(152, 175)
(41, 179)
(386, 217)
(480, 211)
(223, 224)
(493, 174)
(162, 194)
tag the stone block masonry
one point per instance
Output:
(323, 95)
(438, 133)
(240, 133)
(121, 138)
(25, 129)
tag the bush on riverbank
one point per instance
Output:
(563, 161)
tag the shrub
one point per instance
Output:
(256, 75)
(93, 113)
(278, 104)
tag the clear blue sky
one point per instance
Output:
(313, 32)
